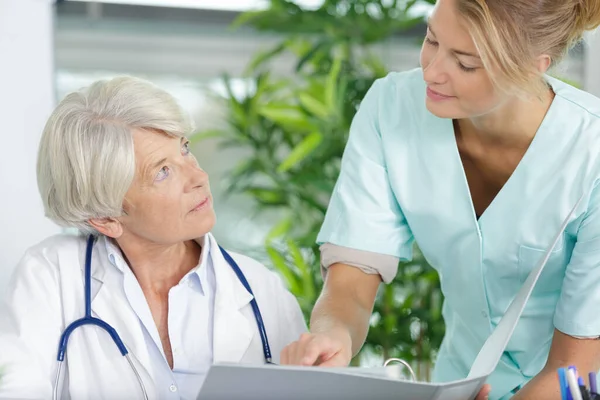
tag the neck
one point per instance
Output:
(159, 267)
(514, 123)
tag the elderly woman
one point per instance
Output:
(115, 163)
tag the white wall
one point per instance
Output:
(183, 50)
(26, 99)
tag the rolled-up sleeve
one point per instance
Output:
(577, 309)
(370, 263)
(363, 213)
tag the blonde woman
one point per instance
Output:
(478, 157)
(114, 162)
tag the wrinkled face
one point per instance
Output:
(169, 200)
(457, 84)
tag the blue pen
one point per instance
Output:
(585, 394)
(562, 380)
(593, 388)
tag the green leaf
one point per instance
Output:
(266, 196)
(301, 151)
(282, 113)
(313, 105)
(307, 278)
(331, 83)
(286, 115)
(281, 228)
(237, 112)
(279, 262)
(208, 134)
(310, 54)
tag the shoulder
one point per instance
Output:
(578, 112)
(42, 268)
(576, 122)
(579, 102)
(396, 102)
(576, 119)
(48, 251)
(398, 88)
(401, 82)
(407, 82)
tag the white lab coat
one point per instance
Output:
(47, 293)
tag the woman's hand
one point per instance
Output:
(339, 321)
(330, 349)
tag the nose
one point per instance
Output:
(434, 72)
(197, 177)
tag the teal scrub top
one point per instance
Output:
(402, 180)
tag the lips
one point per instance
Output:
(439, 94)
(433, 95)
(202, 204)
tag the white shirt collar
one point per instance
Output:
(196, 277)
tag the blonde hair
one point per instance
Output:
(511, 34)
(86, 160)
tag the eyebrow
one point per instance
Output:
(457, 52)
(152, 167)
(157, 164)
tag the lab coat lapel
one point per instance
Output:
(116, 311)
(233, 331)
(110, 304)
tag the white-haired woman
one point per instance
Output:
(115, 163)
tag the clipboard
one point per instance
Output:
(275, 382)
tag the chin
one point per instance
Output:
(442, 110)
(199, 227)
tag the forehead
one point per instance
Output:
(152, 145)
(146, 139)
(449, 27)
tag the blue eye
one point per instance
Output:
(186, 149)
(162, 174)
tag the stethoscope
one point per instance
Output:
(89, 320)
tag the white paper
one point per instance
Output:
(274, 382)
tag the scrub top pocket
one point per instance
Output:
(551, 278)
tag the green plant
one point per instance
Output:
(408, 317)
(296, 129)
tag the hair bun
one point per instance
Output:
(587, 14)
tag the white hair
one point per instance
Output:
(86, 160)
